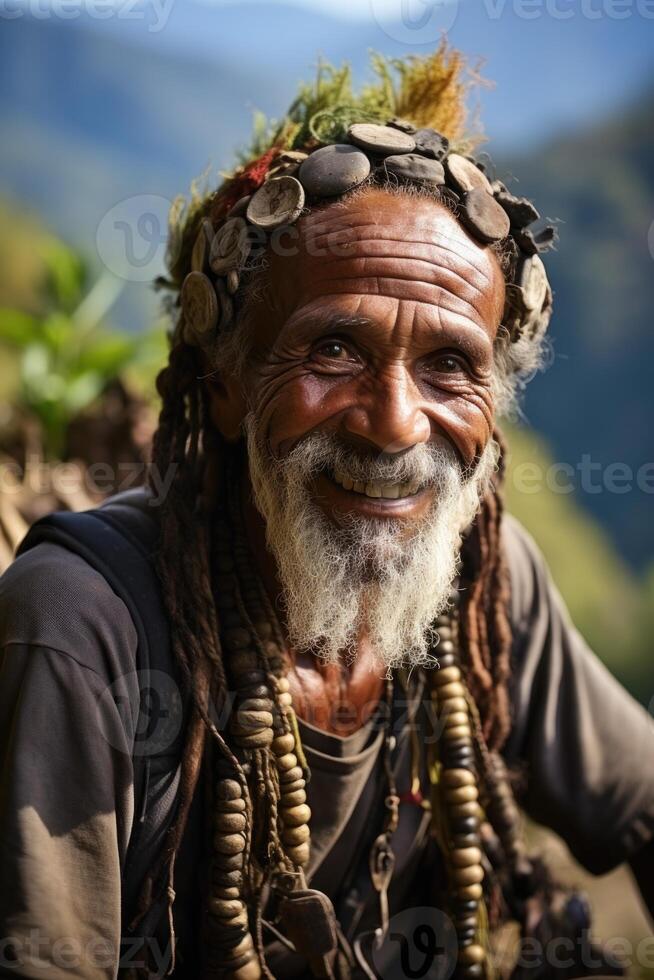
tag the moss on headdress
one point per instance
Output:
(429, 91)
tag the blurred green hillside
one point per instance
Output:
(597, 397)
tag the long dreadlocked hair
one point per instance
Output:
(187, 441)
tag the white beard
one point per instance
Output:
(365, 576)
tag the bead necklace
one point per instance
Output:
(263, 734)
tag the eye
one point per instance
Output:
(448, 364)
(333, 349)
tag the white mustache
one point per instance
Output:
(422, 466)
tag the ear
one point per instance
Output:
(227, 405)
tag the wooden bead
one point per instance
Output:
(250, 971)
(473, 875)
(287, 762)
(453, 690)
(247, 722)
(283, 685)
(454, 704)
(283, 744)
(460, 841)
(467, 809)
(227, 894)
(470, 893)
(471, 955)
(230, 823)
(242, 660)
(294, 798)
(465, 857)
(244, 945)
(251, 678)
(446, 675)
(294, 836)
(461, 794)
(226, 879)
(255, 740)
(228, 862)
(467, 922)
(231, 806)
(457, 777)
(297, 815)
(459, 731)
(291, 775)
(454, 719)
(229, 843)
(228, 789)
(299, 854)
(225, 908)
(285, 699)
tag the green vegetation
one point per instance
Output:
(61, 357)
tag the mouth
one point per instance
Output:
(377, 489)
(339, 496)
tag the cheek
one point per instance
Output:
(467, 419)
(290, 407)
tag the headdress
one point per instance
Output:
(406, 129)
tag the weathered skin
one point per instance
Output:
(380, 330)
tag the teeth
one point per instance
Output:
(377, 490)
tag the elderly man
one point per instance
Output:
(361, 639)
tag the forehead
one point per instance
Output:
(409, 249)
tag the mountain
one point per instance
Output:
(597, 399)
(99, 112)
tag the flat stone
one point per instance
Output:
(200, 307)
(484, 217)
(277, 202)
(200, 253)
(230, 246)
(412, 166)
(532, 278)
(431, 143)
(381, 139)
(465, 175)
(520, 210)
(333, 170)
(403, 125)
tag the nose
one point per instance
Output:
(389, 415)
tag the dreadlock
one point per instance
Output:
(187, 442)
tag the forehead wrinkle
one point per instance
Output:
(447, 271)
(454, 318)
(441, 291)
(440, 240)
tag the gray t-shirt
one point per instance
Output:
(66, 794)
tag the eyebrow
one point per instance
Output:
(327, 322)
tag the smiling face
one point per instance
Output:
(369, 391)
(380, 331)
